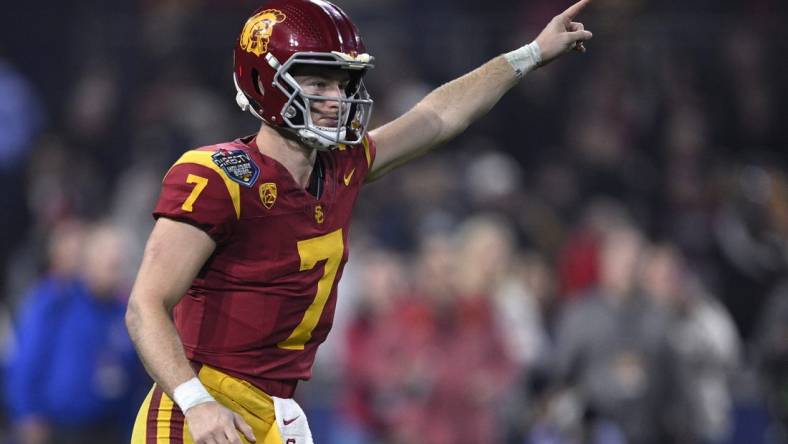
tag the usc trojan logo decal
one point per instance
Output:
(258, 29)
(268, 194)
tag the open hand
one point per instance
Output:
(563, 34)
(212, 423)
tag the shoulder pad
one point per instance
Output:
(228, 170)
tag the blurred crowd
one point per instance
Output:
(602, 259)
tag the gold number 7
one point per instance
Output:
(201, 183)
(329, 247)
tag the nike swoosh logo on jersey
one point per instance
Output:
(290, 421)
(348, 176)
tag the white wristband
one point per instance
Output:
(191, 393)
(524, 59)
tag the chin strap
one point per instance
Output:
(321, 142)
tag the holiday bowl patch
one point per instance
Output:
(237, 165)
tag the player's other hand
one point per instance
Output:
(563, 34)
(212, 423)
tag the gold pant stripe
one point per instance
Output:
(141, 423)
(163, 420)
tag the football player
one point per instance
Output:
(237, 287)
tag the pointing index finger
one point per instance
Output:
(575, 9)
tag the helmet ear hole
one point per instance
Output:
(256, 82)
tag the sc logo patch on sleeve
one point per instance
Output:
(237, 165)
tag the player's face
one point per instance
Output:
(325, 82)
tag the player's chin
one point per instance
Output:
(327, 122)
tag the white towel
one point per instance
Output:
(292, 422)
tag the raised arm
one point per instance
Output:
(174, 254)
(450, 109)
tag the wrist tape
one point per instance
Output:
(524, 59)
(191, 393)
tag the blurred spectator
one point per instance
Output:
(611, 350)
(430, 365)
(517, 290)
(523, 300)
(578, 260)
(490, 333)
(705, 348)
(74, 374)
(382, 282)
(60, 185)
(751, 234)
(21, 117)
(391, 345)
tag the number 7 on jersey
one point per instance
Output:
(329, 247)
(200, 184)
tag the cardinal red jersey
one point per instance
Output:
(265, 299)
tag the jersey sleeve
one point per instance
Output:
(196, 192)
(366, 154)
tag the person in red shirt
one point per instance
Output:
(237, 286)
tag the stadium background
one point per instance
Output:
(665, 146)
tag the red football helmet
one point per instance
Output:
(283, 34)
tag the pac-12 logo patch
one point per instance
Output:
(237, 165)
(268, 194)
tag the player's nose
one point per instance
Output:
(334, 92)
